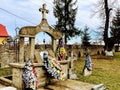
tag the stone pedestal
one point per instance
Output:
(67, 66)
(86, 72)
(17, 72)
(109, 53)
(72, 74)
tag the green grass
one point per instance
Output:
(106, 71)
(5, 71)
(117, 55)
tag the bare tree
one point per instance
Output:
(104, 8)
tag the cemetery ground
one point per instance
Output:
(106, 70)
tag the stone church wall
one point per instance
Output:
(79, 51)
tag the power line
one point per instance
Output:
(34, 3)
(47, 2)
(17, 16)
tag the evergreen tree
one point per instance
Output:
(115, 28)
(85, 37)
(65, 12)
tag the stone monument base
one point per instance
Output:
(17, 71)
(86, 72)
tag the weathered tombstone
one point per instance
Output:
(71, 71)
(87, 70)
(72, 74)
(109, 53)
(99, 87)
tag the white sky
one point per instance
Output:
(29, 10)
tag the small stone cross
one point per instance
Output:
(44, 11)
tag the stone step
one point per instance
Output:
(8, 88)
(5, 81)
(70, 85)
(65, 85)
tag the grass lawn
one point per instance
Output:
(106, 70)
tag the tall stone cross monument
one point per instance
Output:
(31, 31)
(28, 51)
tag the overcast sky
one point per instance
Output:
(19, 13)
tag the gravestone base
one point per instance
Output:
(72, 74)
(17, 71)
(86, 72)
(65, 68)
(99, 87)
(109, 53)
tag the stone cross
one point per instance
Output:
(44, 11)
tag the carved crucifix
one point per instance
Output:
(44, 11)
